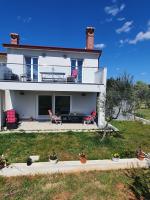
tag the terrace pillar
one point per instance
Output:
(0, 110)
(8, 100)
(101, 109)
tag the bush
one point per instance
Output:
(127, 154)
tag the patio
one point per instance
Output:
(48, 126)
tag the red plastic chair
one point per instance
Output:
(11, 119)
(11, 116)
(90, 119)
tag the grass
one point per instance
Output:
(121, 185)
(18, 146)
(144, 113)
(95, 185)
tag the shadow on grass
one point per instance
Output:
(140, 183)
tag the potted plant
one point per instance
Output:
(3, 162)
(82, 158)
(29, 161)
(140, 154)
(53, 157)
(115, 157)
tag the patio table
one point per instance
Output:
(72, 117)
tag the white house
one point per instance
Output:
(37, 78)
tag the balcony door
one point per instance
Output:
(31, 68)
(77, 64)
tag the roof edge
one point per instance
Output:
(50, 48)
(3, 54)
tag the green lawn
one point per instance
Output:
(113, 185)
(18, 146)
(145, 113)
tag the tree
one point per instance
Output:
(142, 92)
(119, 98)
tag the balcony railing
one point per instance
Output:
(50, 73)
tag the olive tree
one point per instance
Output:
(120, 98)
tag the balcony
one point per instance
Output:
(50, 78)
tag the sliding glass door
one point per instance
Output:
(62, 104)
(57, 104)
(44, 104)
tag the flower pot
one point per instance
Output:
(141, 157)
(34, 158)
(53, 161)
(115, 159)
(83, 160)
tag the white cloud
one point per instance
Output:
(148, 24)
(121, 19)
(127, 26)
(143, 73)
(100, 46)
(122, 41)
(114, 9)
(108, 19)
(18, 17)
(117, 69)
(122, 7)
(141, 36)
(24, 19)
(27, 20)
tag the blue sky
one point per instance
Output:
(122, 29)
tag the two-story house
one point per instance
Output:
(34, 79)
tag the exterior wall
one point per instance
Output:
(27, 105)
(44, 86)
(2, 108)
(54, 61)
(3, 60)
(17, 67)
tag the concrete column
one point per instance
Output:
(8, 100)
(101, 100)
(0, 110)
(101, 110)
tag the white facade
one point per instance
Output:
(26, 103)
(23, 95)
(57, 61)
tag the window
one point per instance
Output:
(62, 104)
(44, 104)
(31, 68)
(77, 63)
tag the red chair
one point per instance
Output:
(74, 73)
(11, 120)
(54, 118)
(90, 119)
